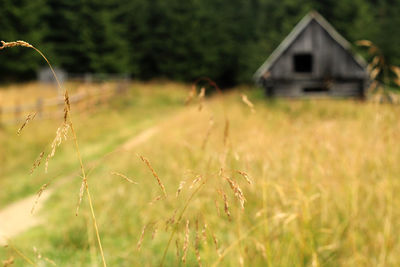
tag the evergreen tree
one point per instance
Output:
(64, 35)
(225, 40)
(387, 38)
(135, 30)
(102, 37)
(20, 20)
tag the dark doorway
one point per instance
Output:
(315, 90)
(303, 63)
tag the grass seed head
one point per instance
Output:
(146, 161)
(170, 221)
(139, 244)
(81, 192)
(245, 176)
(375, 61)
(215, 240)
(201, 98)
(241, 260)
(261, 248)
(237, 191)
(226, 203)
(177, 246)
(14, 44)
(186, 242)
(180, 187)
(38, 194)
(124, 177)
(204, 232)
(67, 106)
(157, 198)
(191, 95)
(366, 43)
(197, 244)
(61, 134)
(27, 120)
(195, 181)
(248, 103)
(396, 71)
(10, 260)
(37, 162)
(374, 73)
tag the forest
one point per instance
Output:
(176, 40)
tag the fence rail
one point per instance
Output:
(47, 108)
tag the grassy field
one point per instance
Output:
(318, 180)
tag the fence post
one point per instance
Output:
(116, 89)
(39, 107)
(98, 96)
(120, 88)
(105, 97)
(88, 101)
(17, 111)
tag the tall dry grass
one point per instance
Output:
(297, 183)
(61, 133)
(382, 74)
(319, 179)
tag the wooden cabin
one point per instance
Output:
(313, 60)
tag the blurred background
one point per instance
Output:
(226, 40)
(246, 181)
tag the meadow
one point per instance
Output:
(216, 183)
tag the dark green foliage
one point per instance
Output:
(387, 37)
(85, 36)
(64, 37)
(20, 20)
(182, 40)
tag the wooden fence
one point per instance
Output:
(48, 108)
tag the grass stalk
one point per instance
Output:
(22, 255)
(84, 177)
(178, 221)
(67, 117)
(234, 244)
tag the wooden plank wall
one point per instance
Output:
(330, 61)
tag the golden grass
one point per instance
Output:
(312, 174)
(246, 100)
(123, 176)
(186, 243)
(27, 120)
(38, 195)
(146, 161)
(381, 74)
(324, 177)
(14, 44)
(60, 134)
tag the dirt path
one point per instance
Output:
(17, 217)
(140, 138)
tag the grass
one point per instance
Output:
(324, 185)
(116, 123)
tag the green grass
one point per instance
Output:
(325, 181)
(102, 131)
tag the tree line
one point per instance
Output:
(226, 40)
